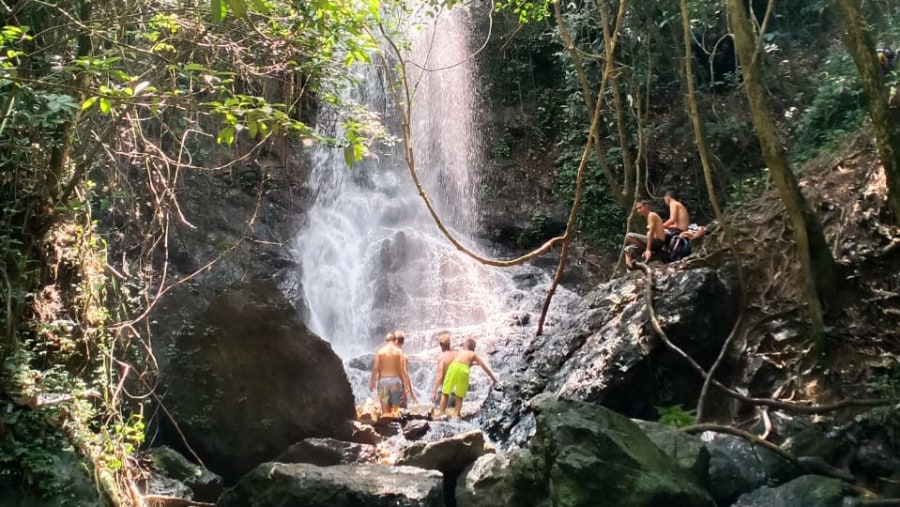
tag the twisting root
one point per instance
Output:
(799, 408)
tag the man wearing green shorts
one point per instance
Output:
(456, 381)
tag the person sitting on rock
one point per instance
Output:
(456, 381)
(679, 218)
(655, 231)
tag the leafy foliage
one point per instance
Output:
(96, 95)
(837, 109)
(676, 416)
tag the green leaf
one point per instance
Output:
(218, 11)
(238, 7)
(105, 105)
(260, 6)
(88, 103)
(226, 136)
(348, 155)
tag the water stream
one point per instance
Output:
(372, 258)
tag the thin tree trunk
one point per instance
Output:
(624, 136)
(620, 195)
(884, 120)
(65, 133)
(816, 262)
(703, 150)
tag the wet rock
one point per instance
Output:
(490, 482)
(250, 379)
(686, 450)
(363, 362)
(874, 458)
(364, 434)
(608, 354)
(415, 430)
(737, 466)
(805, 491)
(159, 485)
(450, 455)
(204, 485)
(368, 413)
(328, 452)
(387, 426)
(812, 442)
(279, 485)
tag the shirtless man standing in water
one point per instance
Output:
(457, 379)
(388, 372)
(444, 361)
(408, 391)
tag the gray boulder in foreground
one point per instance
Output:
(363, 485)
(804, 491)
(582, 455)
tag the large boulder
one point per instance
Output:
(736, 466)
(204, 485)
(607, 353)
(328, 452)
(804, 491)
(249, 379)
(450, 455)
(499, 480)
(582, 455)
(595, 457)
(279, 485)
(688, 451)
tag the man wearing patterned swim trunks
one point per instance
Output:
(387, 372)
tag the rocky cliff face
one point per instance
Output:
(241, 375)
(606, 352)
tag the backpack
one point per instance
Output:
(679, 248)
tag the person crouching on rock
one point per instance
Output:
(456, 381)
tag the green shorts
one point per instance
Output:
(457, 380)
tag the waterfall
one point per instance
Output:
(372, 258)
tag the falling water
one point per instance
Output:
(372, 258)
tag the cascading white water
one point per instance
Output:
(372, 259)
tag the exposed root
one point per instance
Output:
(795, 407)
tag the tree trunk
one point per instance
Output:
(816, 262)
(703, 151)
(884, 119)
(628, 162)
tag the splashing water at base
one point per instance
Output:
(372, 258)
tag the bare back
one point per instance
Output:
(467, 357)
(389, 361)
(655, 229)
(678, 215)
(445, 359)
